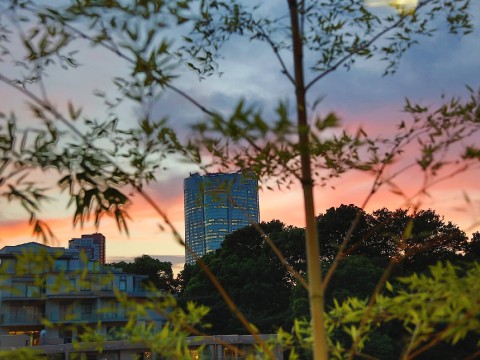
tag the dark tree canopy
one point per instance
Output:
(415, 240)
(271, 297)
(473, 247)
(160, 273)
(334, 225)
(251, 274)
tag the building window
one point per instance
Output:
(33, 291)
(60, 265)
(86, 311)
(95, 282)
(107, 283)
(65, 312)
(72, 284)
(122, 286)
(86, 284)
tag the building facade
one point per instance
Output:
(217, 347)
(216, 205)
(93, 245)
(42, 285)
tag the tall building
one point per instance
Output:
(216, 205)
(92, 245)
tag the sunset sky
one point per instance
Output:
(361, 97)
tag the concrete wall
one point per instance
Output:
(14, 340)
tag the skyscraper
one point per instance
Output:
(92, 245)
(216, 205)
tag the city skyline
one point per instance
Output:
(441, 64)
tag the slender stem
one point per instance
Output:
(280, 256)
(316, 298)
(46, 105)
(277, 54)
(371, 302)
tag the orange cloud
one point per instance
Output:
(147, 236)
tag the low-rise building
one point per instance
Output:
(219, 347)
(54, 289)
(49, 296)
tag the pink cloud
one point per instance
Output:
(456, 198)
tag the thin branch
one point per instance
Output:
(378, 181)
(48, 107)
(346, 239)
(223, 293)
(474, 356)
(190, 99)
(365, 46)
(115, 50)
(437, 339)
(157, 209)
(351, 54)
(277, 54)
(280, 256)
(371, 302)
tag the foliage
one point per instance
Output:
(433, 308)
(429, 310)
(258, 284)
(160, 273)
(334, 34)
(98, 162)
(95, 161)
(415, 239)
(170, 341)
(334, 225)
(251, 274)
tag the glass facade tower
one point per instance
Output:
(216, 205)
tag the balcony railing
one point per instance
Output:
(86, 317)
(96, 293)
(20, 297)
(21, 319)
(7, 319)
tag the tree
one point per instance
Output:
(335, 225)
(335, 34)
(251, 274)
(160, 273)
(381, 237)
(390, 227)
(331, 34)
(473, 247)
(416, 240)
(247, 267)
(435, 239)
(183, 278)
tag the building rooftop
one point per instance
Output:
(35, 247)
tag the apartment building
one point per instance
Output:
(54, 290)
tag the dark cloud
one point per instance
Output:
(168, 190)
(440, 64)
